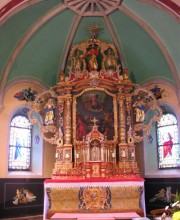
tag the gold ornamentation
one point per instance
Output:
(144, 104)
(122, 127)
(67, 123)
(94, 85)
(95, 198)
(93, 58)
(75, 111)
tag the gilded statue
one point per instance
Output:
(91, 57)
(93, 65)
(139, 110)
(77, 61)
(50, 112)
(110, 60)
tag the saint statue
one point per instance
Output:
(139, 111)
(110, 61)
(77, 61)
(93, 65)
(91, 57)
(50, 114)
(140, 116)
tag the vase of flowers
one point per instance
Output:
(174, 207)
(176, 210)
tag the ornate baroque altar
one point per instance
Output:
(94, 116)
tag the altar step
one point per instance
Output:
(95, 216)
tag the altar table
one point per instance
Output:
(94, 196)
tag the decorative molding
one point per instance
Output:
(168, 7)
(13, 7)
(26, 80)
(93, 7)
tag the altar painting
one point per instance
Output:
(94, 104)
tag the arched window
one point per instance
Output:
(20, 144)
(168, 142)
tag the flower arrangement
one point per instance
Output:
(175, 207)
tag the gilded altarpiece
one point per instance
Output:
(94, 116)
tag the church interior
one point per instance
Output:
(89, 109)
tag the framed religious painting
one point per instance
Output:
(94, 106)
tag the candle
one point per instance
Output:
(113, 155)
(77, 155)
(56, 155)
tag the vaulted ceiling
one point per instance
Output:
(36, 36)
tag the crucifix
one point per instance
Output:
(94, 120)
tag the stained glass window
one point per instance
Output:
(168, 142)
(20, 144)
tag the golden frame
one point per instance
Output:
(74, 110)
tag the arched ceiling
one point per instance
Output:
(36, 36)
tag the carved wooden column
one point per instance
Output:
(128, 109)
(122, 118)
(60, 121)
(123, 147)
(67, 121)
(130, 139)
